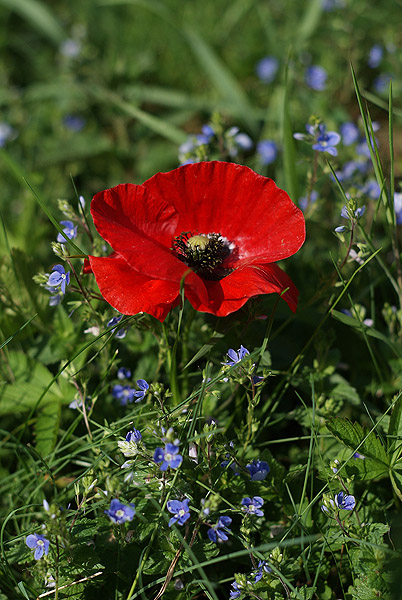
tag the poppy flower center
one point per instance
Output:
(203, 253)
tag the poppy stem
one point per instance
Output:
(172, 365)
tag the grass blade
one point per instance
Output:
(39, 16)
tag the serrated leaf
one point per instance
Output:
(353, 436)
(365, 469)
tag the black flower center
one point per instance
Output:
(204, 254)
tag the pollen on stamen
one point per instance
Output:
(203, 253)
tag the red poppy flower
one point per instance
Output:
(218, 225)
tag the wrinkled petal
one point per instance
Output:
(130, 292)
(232, 292)
(246, 208)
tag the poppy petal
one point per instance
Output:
(232, 292)
(140, 228)
(131, 292)
(246, 208)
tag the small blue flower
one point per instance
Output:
(358, 455)
(330, 5)
(359, 212)
(206, 136)
(252, 506)
(220, 530)
(6, 132)
(267, 151)
(398, 207)
(236, 357)
(258, 470)
(144, 387)
(123, 373)
(169, 457)
(381, 83)
(235, 592)
(121, 333)
(134, 436)
(349, 132)
(266, 69)
(74, 122)
(39, 543)
(69, 230)
(59, 278)
(261, 569)
(124, 393)
(316, 77)
(303, 202)
(372, 189)
(375, 56)
(326, 141)
(344, 501)
(179, 510)
(231, 463)
(70, 48)
(120, 513)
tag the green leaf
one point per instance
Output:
(221, 77)
(47, 426)
(395, 430)
(396, 480)
(353, 436)
(39, 16)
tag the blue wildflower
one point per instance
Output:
(220, 530)
(398, 207)
(179, 510)
(120, 513)
(316, 77)
(345, 501)
(39, 543)
(124, 393)
(6, 132)
(258, 470)
(74, 122)
(358, 455)
(330, 5)
(326, 141)
(266, 69)
(235, 592)
(372, 189)
(252, 506)
(206, 136)
(381, 83)
(236, 139)
(169, 457)
(349, 132)
(70, 48)
(267, 151)
(304, 203)
(375, 56)
(123, 373)
(144, 387)
(261, 569)
(69, 230)
(230, 463)
(59, 278)
(236, 357)
(133, 436)
(120, 333)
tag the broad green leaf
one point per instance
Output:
(365, 469)
(47, 426)
(353, 436)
